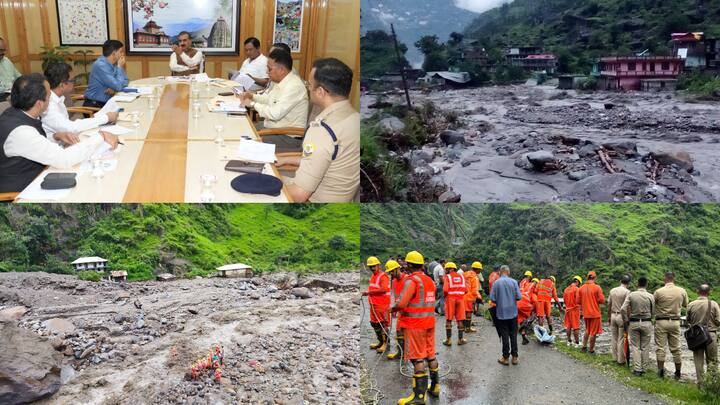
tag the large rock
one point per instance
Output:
(449, 197)
(589, 150)
(540, 158)
(626, 148)
(59, 325)
(677, 157)
(301, 292)
(391, 125)
(29, 367)
(12, 314)
(606, 188)
(450, 137)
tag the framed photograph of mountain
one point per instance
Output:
(288, 23)
(152, 26)
(82, 22)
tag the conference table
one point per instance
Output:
(168, 155)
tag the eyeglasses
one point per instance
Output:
(69, 81)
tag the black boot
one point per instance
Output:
(379, 334)
(524, 339)
(448, 339)
(420, 386)
(434, 389)
(677, 370)
(661, 369)
(550, 327)
(461, 341)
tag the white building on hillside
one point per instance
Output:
(90, 263)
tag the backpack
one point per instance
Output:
(698, 335)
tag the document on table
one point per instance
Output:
(142, 90)
(253, 151)
(220, 105)
(110, 106)
(127, 115)
(35, 192)
(125, 97)
(201, 78)
(116, 129)
(245, 81)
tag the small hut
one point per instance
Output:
(235, 270)
(118, 276)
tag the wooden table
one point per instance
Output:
(164, 158)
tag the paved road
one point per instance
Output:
(544, 375)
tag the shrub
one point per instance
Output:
(90, 275)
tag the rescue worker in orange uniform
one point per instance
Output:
(526, 280)
(417, 307)
(526, 307)
(491, 280)
(572, 311)
(546, 292)
(472, 294)
(378, 294)
(397, 278)
(589, 297)
(454, 291)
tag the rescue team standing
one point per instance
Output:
(513, 308)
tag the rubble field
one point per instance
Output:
(285, 340)
(537, 143)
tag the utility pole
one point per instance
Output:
(402, 67)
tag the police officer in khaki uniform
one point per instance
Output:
(696, 313)
(615, 300)
(638, 310)
(668, 301)
(329, 170)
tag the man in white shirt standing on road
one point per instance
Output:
(56, 120)
(253, 74)
(185, 60)
(24, 149)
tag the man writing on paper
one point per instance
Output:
(107, 76)
(56, 120)
(24, 149)
(253, 74)
(329, 169)
(185, 60)
(286, 105)
(8, 72)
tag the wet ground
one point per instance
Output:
(473, 375)
(501, 124)
(285, 340)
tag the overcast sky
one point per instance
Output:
(479, 6)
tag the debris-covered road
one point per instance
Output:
(285, 341)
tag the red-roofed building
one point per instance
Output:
(639, 72)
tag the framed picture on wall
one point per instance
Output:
(288, 23)
(152, 26)
(82, 22)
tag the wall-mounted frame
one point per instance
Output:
(152, 26)
(288, 23)
(82, 22)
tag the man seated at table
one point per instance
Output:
(56, 120)
(8, 72)
(286, 105)
(185, 60)
(107, 76)
(253, 74)
(329, 169)
(286, 48)
(24, 149)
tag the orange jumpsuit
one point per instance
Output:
(491, 280)
(473, 289)
(546, 292)
(572, 310)
(524, 284)
(590, 296)
(379, 298)
(397, 286)
(525, 305)
(417, 306)
(454, 291)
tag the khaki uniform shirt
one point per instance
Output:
(285, 105)
(669, 300)
(641, 304)
(696, 313)
(617, 298)
(331, 180)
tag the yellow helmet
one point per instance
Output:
(578, 278)
(415, 257)
(477, 265)
(552, 278)
(450, 265)
(528, 274)
(391, 265)
(535, 280)
(372, 261)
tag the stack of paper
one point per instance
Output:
(201, 78)
(225, 105)
(116, 129)
(253, 151)
(125, 98)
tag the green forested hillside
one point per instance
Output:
(560, 239)
(580, 30)
(187, 239)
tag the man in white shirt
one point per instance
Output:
(56, 120)
(285, 106)
(185, 60)
(8, 72)
(24, 149)
(253, 74)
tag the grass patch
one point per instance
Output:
(667, 388)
